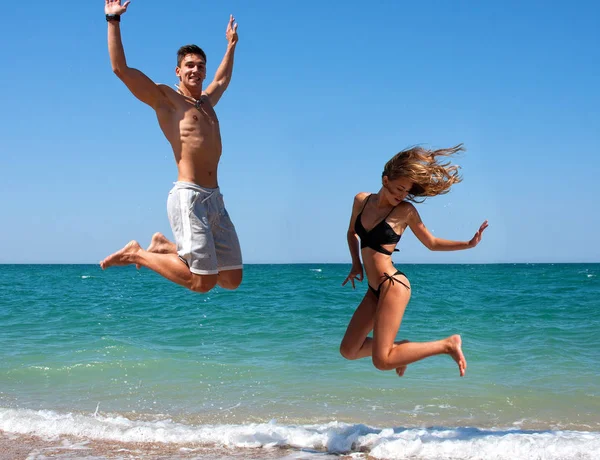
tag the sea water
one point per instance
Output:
(126, 356)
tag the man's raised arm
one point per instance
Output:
(139, 84)
(223, 75)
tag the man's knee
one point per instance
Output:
(203, 283)
(230, 279)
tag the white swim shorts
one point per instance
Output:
(204, 234)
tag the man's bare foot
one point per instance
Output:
(160, 245)
(123, 257)
(455, 351)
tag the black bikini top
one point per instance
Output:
(379, 235)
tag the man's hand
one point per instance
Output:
(231, 31)
(115, 7)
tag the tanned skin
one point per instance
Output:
(188, 120)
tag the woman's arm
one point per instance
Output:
(356, 272)
(351, 234)
(434, 243)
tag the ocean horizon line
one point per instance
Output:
(338, 263)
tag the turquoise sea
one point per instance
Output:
(125, 356)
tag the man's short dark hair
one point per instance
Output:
(189, 49)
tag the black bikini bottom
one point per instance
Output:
(389, 278)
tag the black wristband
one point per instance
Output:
(113, 17)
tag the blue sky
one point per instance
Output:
(323, 94)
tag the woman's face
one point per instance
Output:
(396, 190)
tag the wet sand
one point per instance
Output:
(26, 447)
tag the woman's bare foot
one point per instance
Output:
(400, 370)
(455, 351)
(123, 257)
(160, 245)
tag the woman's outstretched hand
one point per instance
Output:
(477, 238)
(356, 273)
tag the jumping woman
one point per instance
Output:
(378, 221)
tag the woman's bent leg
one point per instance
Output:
(388, 355)
(356, 344)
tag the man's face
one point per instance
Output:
(192, 71)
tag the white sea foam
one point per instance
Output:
(319, 270)
(334, 437)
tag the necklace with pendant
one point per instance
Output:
(197, 102)
(198, 105)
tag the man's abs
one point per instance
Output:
(197, 166)
(196, 141)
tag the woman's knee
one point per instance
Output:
(381, 362)
(348, 352)
(203, 283)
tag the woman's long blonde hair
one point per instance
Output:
(430, 176)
